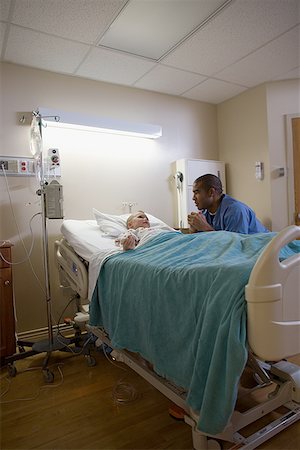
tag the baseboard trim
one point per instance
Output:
(42, 333)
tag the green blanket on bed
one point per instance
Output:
(179, 302)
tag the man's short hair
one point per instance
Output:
(210, 181)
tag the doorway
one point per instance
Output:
(293, 160)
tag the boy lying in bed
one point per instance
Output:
(139, 230)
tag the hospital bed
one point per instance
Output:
(272, 293)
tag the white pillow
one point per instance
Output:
(112, 225)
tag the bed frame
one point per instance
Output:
(273, 330)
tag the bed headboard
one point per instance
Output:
(273, 301)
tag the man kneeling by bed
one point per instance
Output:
(218, 211)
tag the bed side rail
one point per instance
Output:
(273, 301)
(71, 268)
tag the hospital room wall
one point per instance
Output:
(252, 127)
(98, 170)
(243, 140)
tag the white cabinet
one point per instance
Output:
(185, 172)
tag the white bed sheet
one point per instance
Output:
(88, 242)
(86, 238)
(91, 244)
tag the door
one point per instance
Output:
(296, 166)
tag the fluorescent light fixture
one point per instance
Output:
(100, 124)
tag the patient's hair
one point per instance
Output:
(210, 181)
(132, 216)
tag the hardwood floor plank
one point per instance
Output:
(80, 413)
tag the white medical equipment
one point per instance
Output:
(273, 299)
(185, 172)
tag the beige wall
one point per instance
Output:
(252, 127)
(243, 140)
(97, 171)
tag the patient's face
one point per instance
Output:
(201, 197)
(139, 220)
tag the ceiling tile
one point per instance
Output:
(280, 55)
(114, 67)
(4, 9)
(290, 75)
(43, 51)
(168, 80)
(2, 33)
(81, 20)
(150, 28)
(214, 91)
(239, 29)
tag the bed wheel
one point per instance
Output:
(48, 376)
(11, 369)
(213, 444)
(202, 442)
(91, 362)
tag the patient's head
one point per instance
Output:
(137, 220)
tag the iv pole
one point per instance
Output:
(51, 196)
(50, 344)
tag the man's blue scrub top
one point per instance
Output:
(233, 215)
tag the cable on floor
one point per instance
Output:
(46, 386)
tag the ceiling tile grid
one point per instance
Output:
(241, 28)
(215, 49)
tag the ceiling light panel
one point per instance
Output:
(80, 20)
(150, 28)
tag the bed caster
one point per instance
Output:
(202, 442)
(48, 376)
(91, 362)
(213, 444)
(11, 369)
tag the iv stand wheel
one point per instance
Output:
(11, 369)
(48, 376)
(91, 362)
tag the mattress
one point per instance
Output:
(86, 238)
(88, 241)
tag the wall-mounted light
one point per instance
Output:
(100, 124)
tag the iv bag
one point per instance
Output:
(35, 138)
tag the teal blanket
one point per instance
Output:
(179, 301)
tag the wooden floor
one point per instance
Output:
(79, 412)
